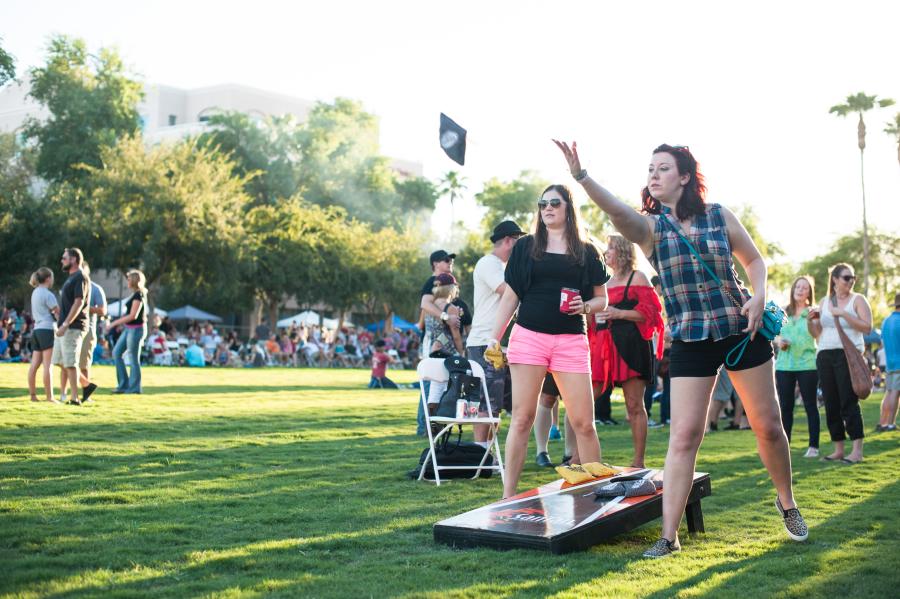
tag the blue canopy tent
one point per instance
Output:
(189, 312)
(396, 322)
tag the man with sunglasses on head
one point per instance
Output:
(488, 280)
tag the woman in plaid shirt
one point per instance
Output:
(706, 322)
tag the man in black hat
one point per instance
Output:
(488, 279)
(441, 262)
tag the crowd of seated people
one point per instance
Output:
(200, 344)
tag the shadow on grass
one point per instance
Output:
(312, 503)
(268, 389)
(789, 554)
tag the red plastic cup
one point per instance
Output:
(566, 295)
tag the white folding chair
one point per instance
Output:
(432, 369)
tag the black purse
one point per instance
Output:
(632, 347)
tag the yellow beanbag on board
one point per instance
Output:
(574, 474)
(600, 470)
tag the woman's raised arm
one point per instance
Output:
(628, 221)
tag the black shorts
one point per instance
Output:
(704, 358)
(42, 339)
(550, 387)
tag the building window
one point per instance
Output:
(172, 120)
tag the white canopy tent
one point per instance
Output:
(310, 319)
(307, 317)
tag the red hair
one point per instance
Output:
(693, 197)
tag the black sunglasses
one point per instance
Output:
(555, 202)
(847, 278)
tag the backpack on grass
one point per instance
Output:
(453, 453)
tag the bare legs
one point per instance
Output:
(889, 408)
(633, 389)
(63, 381)
(756, 387)
(527, 381)
(543, 420)
(690, 403)
(575, 392)
(41, 359)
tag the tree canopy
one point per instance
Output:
(7, 66)
(92, 101)
(170, 208)
(884, 267)
(265, 151)
(27, 221)
(514, 200)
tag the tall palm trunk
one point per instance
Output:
(861, 139)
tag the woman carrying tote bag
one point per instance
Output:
(850, 312)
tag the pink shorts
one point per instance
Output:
(559, 353)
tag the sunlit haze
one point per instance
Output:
(746, 85)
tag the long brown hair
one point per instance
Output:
(576, 240)
(835, 271)
(792, 308)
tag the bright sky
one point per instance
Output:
(747, 86)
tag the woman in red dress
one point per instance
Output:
(621, 341)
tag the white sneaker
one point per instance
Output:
(812, 452)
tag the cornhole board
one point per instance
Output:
(559, 517)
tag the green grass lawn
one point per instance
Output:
(291, 482)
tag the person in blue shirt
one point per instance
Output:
(193, 355)
(890, 336)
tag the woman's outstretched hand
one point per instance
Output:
(571, 155)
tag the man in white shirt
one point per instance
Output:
(489, 282)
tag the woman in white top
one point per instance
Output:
(842, 411)
(45, 310)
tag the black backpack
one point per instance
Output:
(461, 385)
(449, 453)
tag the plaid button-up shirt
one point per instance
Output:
(695, 305)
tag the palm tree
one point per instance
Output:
(894, 129)
(453, 184)
(859, 104)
